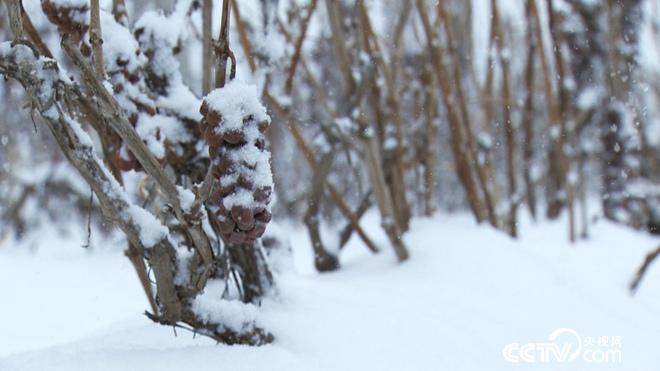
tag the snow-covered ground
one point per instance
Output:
(466, 293)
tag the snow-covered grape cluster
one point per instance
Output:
(233, 124)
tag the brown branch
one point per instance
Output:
(401, 212)
(222, 50)
(650, 258)
(309, 156)
(288, 86)
(490, 201)
(114, 115)
(528, 111)
(14, 7)
(347, 232)
(508, 123)
(323, 260)
(339, 44)
(33, 35)
(399, 28)
(458, 144)
(135, 257)
(243, 36)
(207, 46)
(96, 39)
(431, 131)
(384, 198)
(564, 108)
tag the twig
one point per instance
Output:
(288, 86)
(347, 232)
(16, 19)
(462, 158)
(323, 260)
(34, 35)
(395, 174)
(207, 45)
(222, 50)
(339, 44)
(89, 220)
(650, 257)
(482, 173)
(528, 110)
(243, 36)
(134, 256)
(564, 107)
(96, 38)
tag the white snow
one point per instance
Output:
(151, 230)
(235, 101)
(80, 9)
(71, 3)
(119, 45)
(186, 198)
(466, 293)
(233, 314)
(240, 197)
(158, 129)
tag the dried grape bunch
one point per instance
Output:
(233, 124)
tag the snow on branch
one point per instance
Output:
(46, 86)
(115, 117)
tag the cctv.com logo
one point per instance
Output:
(566, 345)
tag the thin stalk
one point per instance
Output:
(96, 39)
